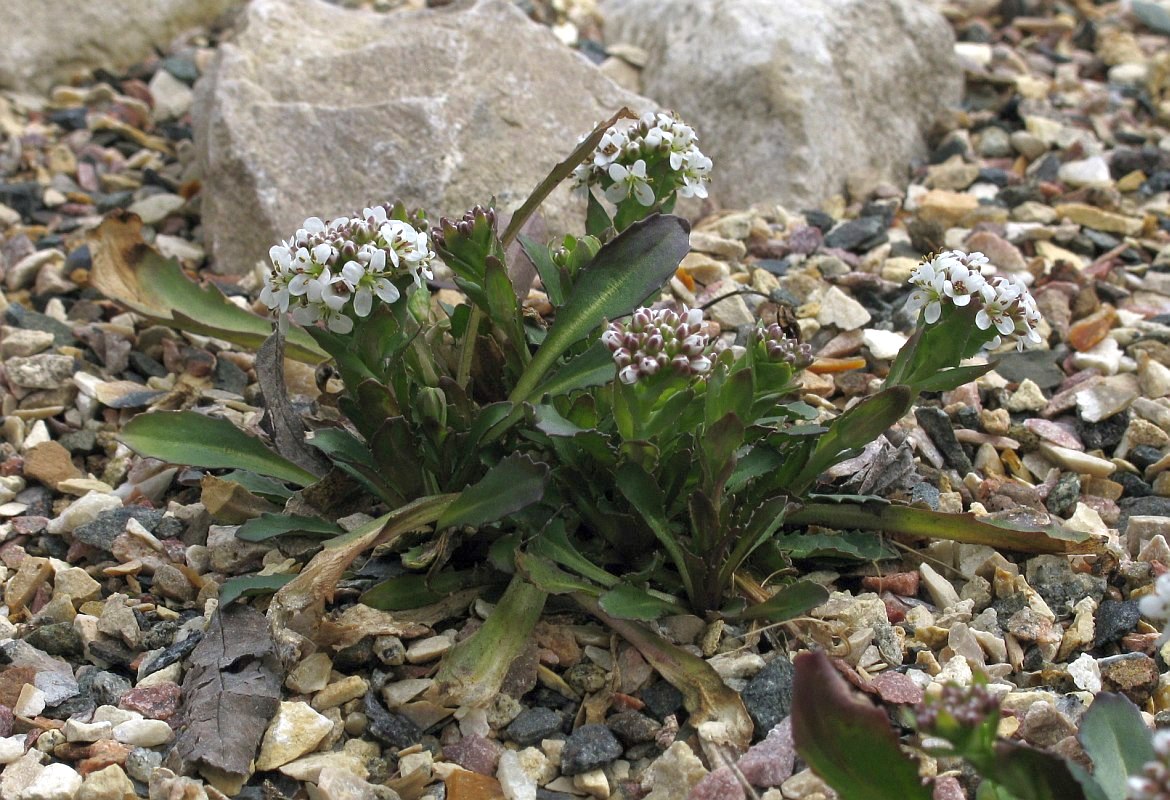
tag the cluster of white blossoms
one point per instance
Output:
(957, 277)
(654, 339)
(326, 265)
(660, 147)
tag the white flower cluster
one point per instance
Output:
(1154, 781)
(628, 159)
(957, 277)
(657, 338)
(325, 265)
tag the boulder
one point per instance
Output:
(790, 97)
(319, 110)
(48, 41)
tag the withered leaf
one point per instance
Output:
(280, 419)
(230, 693)
(359, 621)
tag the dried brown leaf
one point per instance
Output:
(230, 693)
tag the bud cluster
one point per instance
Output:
(1153, 783)
(957, 278)
(779, 346)
(325, 265)
(966, 707)
(653, 339)
(464, 227)
(658, 155)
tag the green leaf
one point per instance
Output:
(553, 544)
(1031, 774)
(258, 484)
(597, 220)
(843, 545)
(268, 526)
(250, 586)
(196, 440)
(644, 495)
(594, 367)
(846, 739)
(788, 602)
(1116, 738)
(947, 379)
(550, 578)
(622, 274)
(412, 590)
(128, 271)
(546, 268)
(1019, 533)
(626, 601)
(513, 484)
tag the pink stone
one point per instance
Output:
(894, 687)
(1058, 433)
(475, 753)
(901, 583)
(948, 788)
(770, 762)
(1002, 253)
(718, 785)
(160, 701)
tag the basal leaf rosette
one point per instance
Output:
(329, 272)
(647, 162)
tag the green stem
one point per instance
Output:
(474, 669)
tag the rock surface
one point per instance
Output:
(793, 98)
(293, 125)
(48, 41)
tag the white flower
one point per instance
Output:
(610, 147)
(631, 181)
(930, 292)
(657, 139)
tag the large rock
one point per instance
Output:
(792, 97)
(48, 41)
(320, 110)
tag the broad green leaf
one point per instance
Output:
(128, 271)
(472, 671)
(268, 526)
(413, 590)
(947, 379)
(622, 274)
(259, 485)
(513, 484)
(1018, 533)
(646, 497)
(626, 601)
(250, 586)
(553, 543)
(550, 578)
(559, 173)
(594, 367)
(196, 440)
(846, 739)
(1031, 774)
(788, 602)
(1116, 738)
(843, 545)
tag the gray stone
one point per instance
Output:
(589, 747)
(768, 696)
(49, 41)
(292, 125)
(755, 78)
(534, 724)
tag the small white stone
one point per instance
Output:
(1087, 519)
(87, 731)
(56, 782)
(11, 748)
(114, 715)
(838, 308)
(429, 649)
(82, 511)
(1092, 171)
(1028, 397)
(1086, 673)
(883, 345)
(1105, 357)
(942, 593)
(593, 783)
(143, 732)
(515, 782)
(1076, 461)
(30, 703)
(295, 730)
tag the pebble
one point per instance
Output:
(429, 649)
(54, 782)
(768, 695)
(295, 730)
(143, 732)
(674, 773)
(589, 747)
(841, 310)
(1077, 461)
